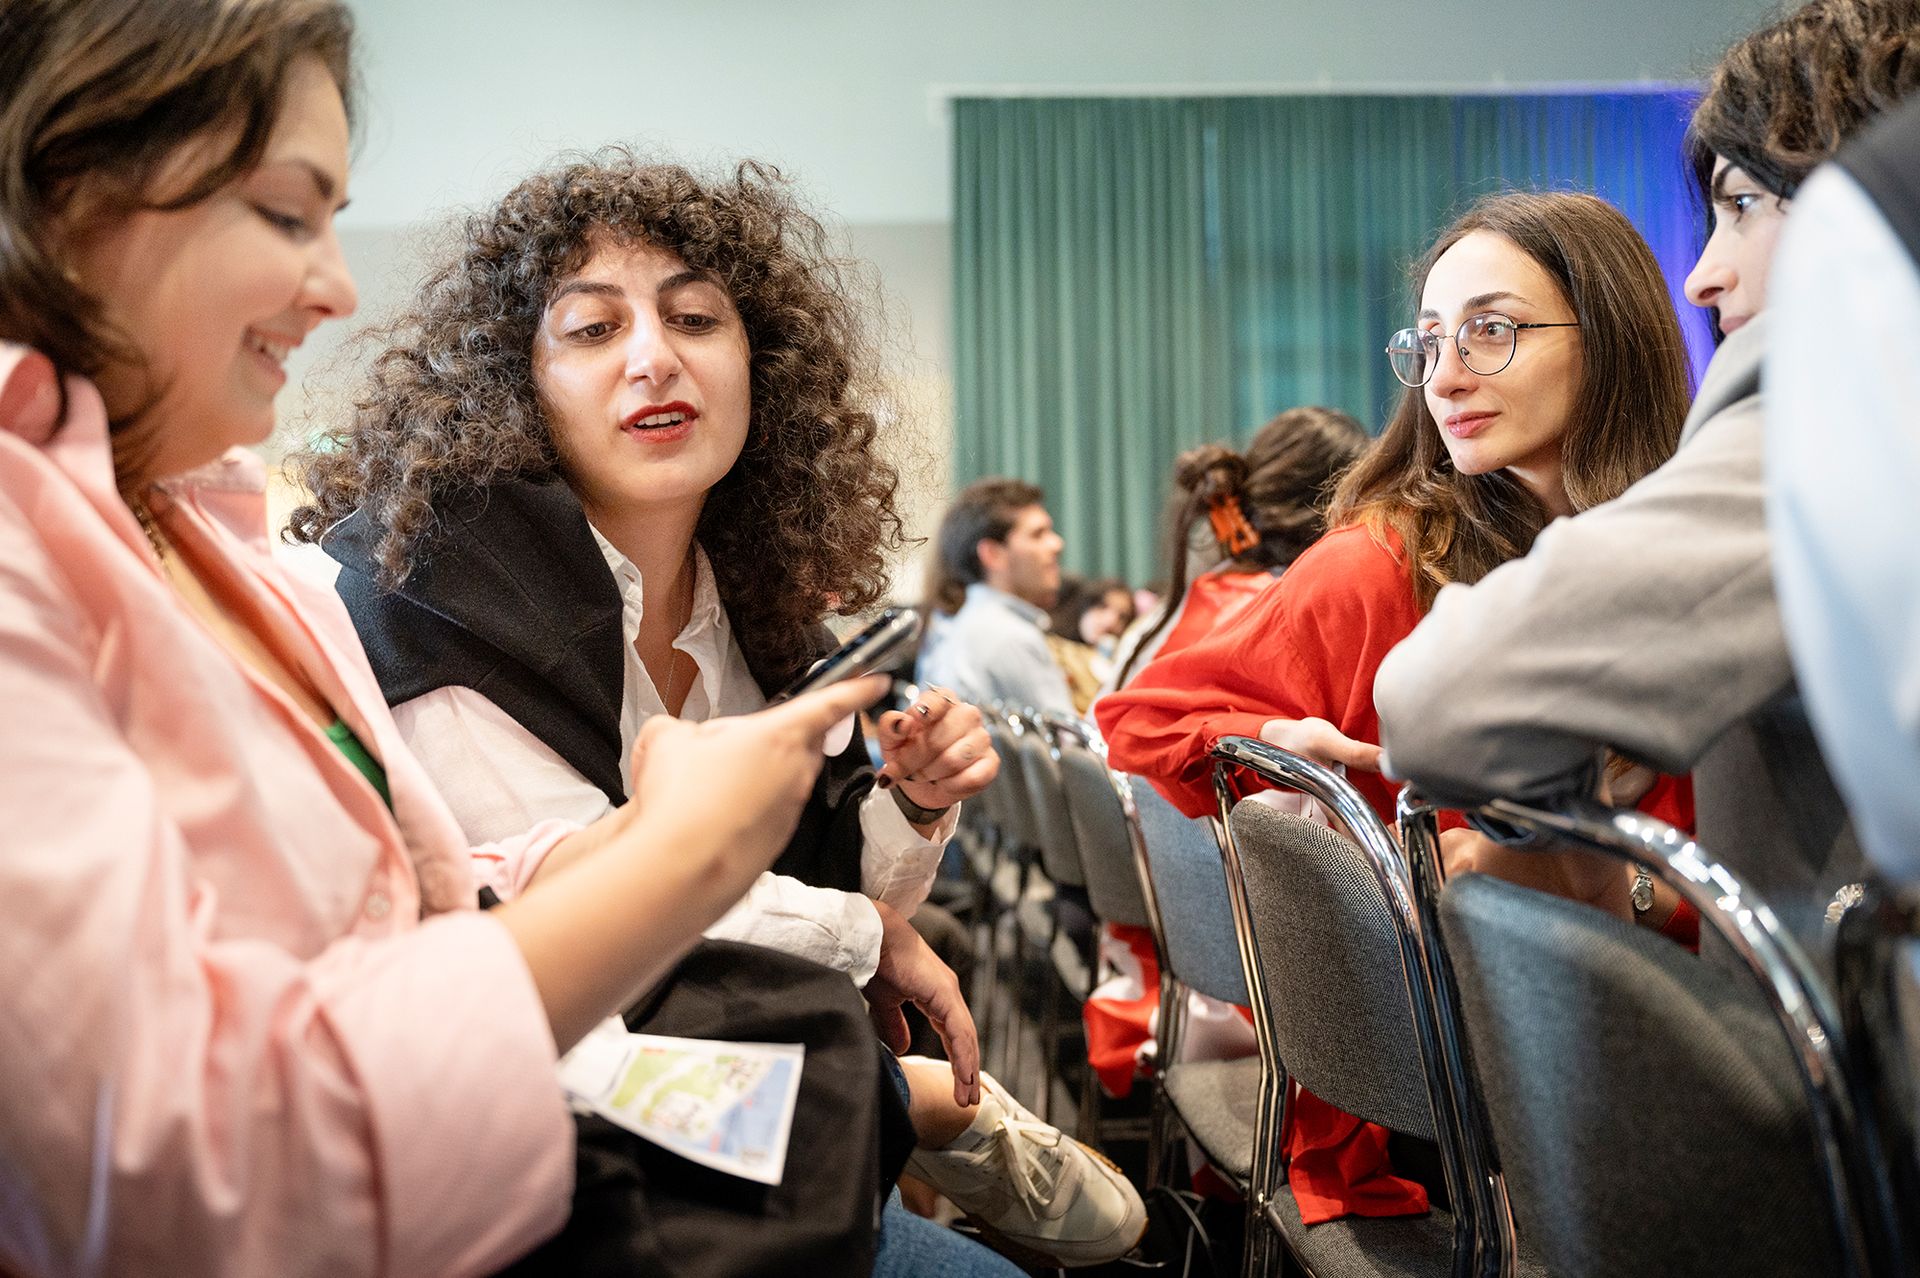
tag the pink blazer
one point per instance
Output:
(251, 1022)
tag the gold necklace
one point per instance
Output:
(673, 680)
(149, 526)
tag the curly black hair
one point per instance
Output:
(1787, 96)
(797, 529)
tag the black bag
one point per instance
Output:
(638, 1209)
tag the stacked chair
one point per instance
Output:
(1337, 971)
(1216, 1102)
(1657, 1112)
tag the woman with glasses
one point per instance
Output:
(1545, 373)
(1674, 585)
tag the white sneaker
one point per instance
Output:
(1030, 1185)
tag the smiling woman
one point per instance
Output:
(177, 275)
(263, 1004)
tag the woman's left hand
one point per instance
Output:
(937, 751)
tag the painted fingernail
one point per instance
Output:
(923, 712)
(885, 782)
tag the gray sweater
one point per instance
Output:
(1649, 625)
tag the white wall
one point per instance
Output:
(465, 96)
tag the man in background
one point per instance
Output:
(998, 544)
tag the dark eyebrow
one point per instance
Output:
(1477, 301)
(681, 279)
(598, 288)
(577, 285)
(323, 181)
(1717, 189)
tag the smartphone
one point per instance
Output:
(866, 652)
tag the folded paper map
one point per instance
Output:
(728, 1106)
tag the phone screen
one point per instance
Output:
(863, 654)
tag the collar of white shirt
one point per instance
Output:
(724, 684)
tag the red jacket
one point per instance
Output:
(1307, 647)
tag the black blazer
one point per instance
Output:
(511, 597)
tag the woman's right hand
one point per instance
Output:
(742, 779)
(713, 804)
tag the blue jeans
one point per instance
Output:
(911, 1246)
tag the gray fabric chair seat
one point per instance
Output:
(1628, 1081)
(1400, 1246)
(1219, 1102)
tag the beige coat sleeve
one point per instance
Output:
(1648, 624)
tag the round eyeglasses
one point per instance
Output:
(1485, 343)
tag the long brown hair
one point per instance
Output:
(798, 528)
(1282, 484)
(96, 96)
(1786, 97)
(1633, 397)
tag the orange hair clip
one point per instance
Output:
(1230, 526)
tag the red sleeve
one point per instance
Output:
(1306, 648)
(1670, 800)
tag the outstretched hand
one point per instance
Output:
(742, 778)
(910, 972)
(1320, 741)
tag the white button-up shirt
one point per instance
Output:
(496, 775)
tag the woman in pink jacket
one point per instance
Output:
(253, 1023)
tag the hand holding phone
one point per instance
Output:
(866, 652)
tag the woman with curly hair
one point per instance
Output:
(271, 1032)
(617, 463)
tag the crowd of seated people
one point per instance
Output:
(320, 870)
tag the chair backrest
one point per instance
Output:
(1329, 964)
(1646, 1107)
(1183, 861)
(1011, 810)
(1059, 846)
(1106, 845)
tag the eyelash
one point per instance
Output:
(1739, 205)
(287, 222)
(586, 332)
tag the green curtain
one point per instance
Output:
(1136, 276)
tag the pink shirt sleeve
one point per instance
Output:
(203, 1081)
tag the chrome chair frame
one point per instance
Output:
(1051, 730)
(1090, 1120)
(1867, 957)
(1417, 943)
(1864, 1213)
(1173, 993)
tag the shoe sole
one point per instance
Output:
(1024, 1254)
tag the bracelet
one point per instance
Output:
(915, 814)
